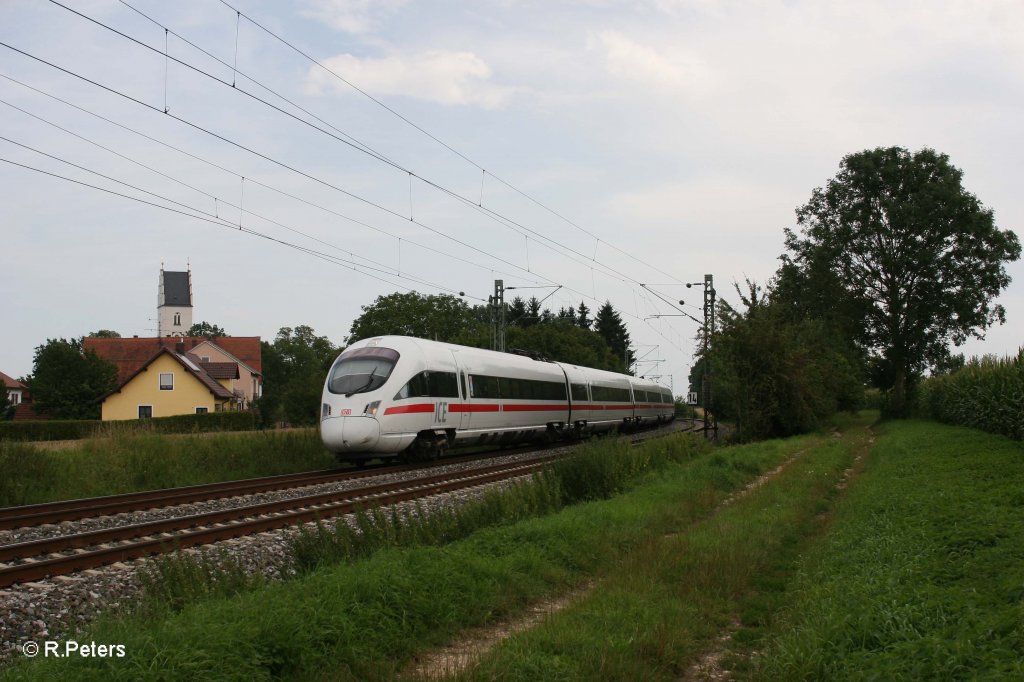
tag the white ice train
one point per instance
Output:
(402, 396)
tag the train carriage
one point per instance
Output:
(395, 395)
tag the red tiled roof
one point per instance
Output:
(219, 370)
(192, 368)
(11, 382)
(130, 355)
(27, 412)
(245, 348)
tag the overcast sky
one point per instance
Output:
(592, 144)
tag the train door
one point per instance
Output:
(460, 417)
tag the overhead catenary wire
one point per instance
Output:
(260, 155)
(502, 218)
(199, 214)
(275, 161)
(382, 269)
(219, 167)
(219, 222)
(494, 215)
(440, 141)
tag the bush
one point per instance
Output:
(214, 421)
(777, 376)
(51, 429)
(72, 429)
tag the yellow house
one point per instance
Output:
(169, 383)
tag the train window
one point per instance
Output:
(611, 394)
(531, 389)
(484, 386)
(361, 370)
(579, 392)
(554, 390)
(430, 385)
(515, 389)
(465, 393)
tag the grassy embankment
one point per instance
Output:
(126, 462)
(366, 617)
(919, 577)
(667, 603)
(922, 576)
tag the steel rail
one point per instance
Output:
(70, 510)
(255, 519)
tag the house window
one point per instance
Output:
(202, 410)
(177, 319)
(205, 358)
(167, 381)
(145, 411)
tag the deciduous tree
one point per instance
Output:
(295, 367)
(206, 329)
(66, 382)
(912, 259)
(439, 317)
(775, 376)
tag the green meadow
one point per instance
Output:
(865, 551)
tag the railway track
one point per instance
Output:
(37, 559)
(71, 510)
(43, 558)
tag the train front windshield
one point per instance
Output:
(361, 370)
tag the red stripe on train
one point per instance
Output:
(473, 408)
(409, 409)
(534, 408)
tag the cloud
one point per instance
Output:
(444, 77)
(661, 69)
(352, 16)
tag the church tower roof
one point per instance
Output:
(175, 288)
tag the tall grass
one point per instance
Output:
(365, 619)
(175, 580)
(986, 394)
(668, 599)
(921, 577)
(128, 461)
(595, 471)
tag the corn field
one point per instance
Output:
(987, 394)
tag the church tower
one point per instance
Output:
(174, 302)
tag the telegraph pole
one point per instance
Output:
(497, 304)
(709, 331)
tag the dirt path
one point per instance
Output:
(473, 644)
(709, 668)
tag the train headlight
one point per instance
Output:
(325, 411)
(371, 408)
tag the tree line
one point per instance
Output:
(67, 382)
(894, 262)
